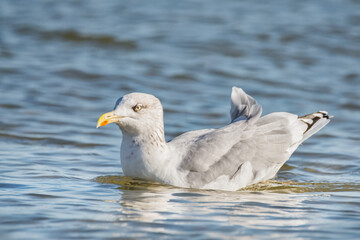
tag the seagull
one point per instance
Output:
(248, 150)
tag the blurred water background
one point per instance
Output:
(64, 63)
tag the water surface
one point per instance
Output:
(63, 64)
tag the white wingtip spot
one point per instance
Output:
(307, 120)
(318, 115)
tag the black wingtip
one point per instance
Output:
(325, 114)
(312, 118)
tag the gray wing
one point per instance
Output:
(217, 153)
(243, 106)
(213, 153)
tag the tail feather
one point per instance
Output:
(315, 122)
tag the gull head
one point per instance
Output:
(135, 113)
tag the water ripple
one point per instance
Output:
(77, 37)
(49, 141)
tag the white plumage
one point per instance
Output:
(248, 150)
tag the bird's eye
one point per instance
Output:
(137, 107)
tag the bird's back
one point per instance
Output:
(248, 150)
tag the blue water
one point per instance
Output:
(64, 63)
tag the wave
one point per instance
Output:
(71, 35)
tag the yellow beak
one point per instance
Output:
(107, 118)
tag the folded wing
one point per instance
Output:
(259, 145)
